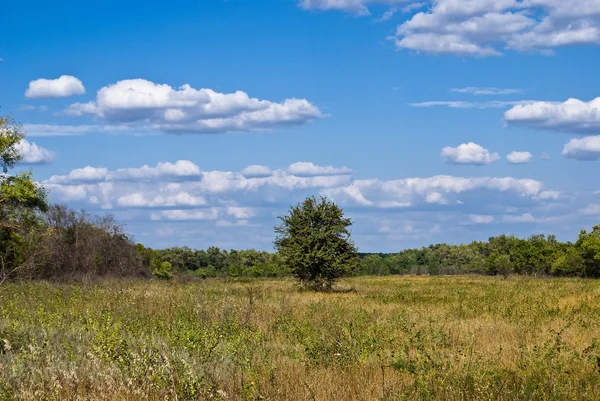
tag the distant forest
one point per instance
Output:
(538, 255)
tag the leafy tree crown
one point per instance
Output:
(314, 242)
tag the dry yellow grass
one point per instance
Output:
(428, 338)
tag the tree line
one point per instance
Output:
(500, 255)
(538, 255)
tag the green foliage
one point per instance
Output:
(314, 242)
(162, 270)
(22, 201)
(503, 265)
(501, 255)
(589, 245)
(215, 262)
(11, 134)
(569, 263)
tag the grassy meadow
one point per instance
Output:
(390, 338)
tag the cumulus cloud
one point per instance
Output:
(519, 157)
(200, 206)
(31, 153)
(184, 184)
(485, 27)
(182, 169)
(414, 191)
(64, 86)
(84, 174)
(469, 153)
(587, 148)
(573, 115)
(160, 107)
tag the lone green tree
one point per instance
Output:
(314, 243)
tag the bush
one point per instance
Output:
(163, 270)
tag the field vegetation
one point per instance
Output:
(387, 338)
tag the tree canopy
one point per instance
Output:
(314, 243)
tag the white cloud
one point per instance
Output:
(573, 115)
(64, 86)
(519, 157)
(160, 107)
(84, 174)
(183, 184)
(435, 197)
(308, 169)
(469, 153)
(197, 214)
(179, 170)
(177, 200)
(473, 90)
(484, 27)
(240, 213)
(587, 148)
(436, 43)
(257, 171)
(522, 218)
(579, 34)
(415, 191)
(481, 219)
(413, 6)
(182, 169)
(31, 153)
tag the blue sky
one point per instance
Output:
(198, 122)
